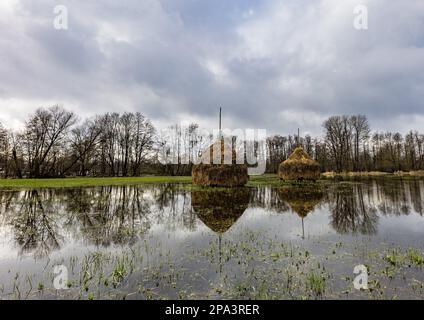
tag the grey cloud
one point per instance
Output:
(277, 65)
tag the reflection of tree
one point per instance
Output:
(39, 221)
(109, 215)
(34, 225)
(417, 196)
(269, 199)
(99, 216)
(124, 214)
(174, 206)
(394, 197)
(351, 213)
(400, 197)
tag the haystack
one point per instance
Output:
(299, 166)
(301, 200)
(219, 210)
(218, 167)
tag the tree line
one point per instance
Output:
(348, 144)
(55, 143)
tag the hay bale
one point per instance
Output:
(219, 168)
(213, 175)
(299, 166)
(219, 210)
(301, 200)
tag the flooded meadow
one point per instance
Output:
(176, 241)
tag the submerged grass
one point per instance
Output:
(253, 266)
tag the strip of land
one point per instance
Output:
(267, 179)
(418, 173)
(88, 182)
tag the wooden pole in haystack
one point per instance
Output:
(298, 137)
(220, 123)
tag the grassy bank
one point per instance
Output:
(264, 180)
(374, 174)
(268, 179)
(88, 182)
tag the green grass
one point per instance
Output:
(255, 181)
(316, 283)
(87, 182)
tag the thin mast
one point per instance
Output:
(220, 119)
(220, 122)
(298, 137)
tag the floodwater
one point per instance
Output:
(169, 241)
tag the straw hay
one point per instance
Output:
(219, 168)
(299, 166)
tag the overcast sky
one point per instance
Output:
(276, 65)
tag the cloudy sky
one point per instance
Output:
(270, 64)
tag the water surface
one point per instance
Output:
(165, 241)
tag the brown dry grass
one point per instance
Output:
(299, 166)
(214, 170)
(332, 174)
(214, 175)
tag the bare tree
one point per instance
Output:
(361, 132)
(144, 133)
(51, 145)
(4, 151)
(127, 125)
(83, 142)
(338, 136)
(44, 138)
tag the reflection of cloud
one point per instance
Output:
(401, 225)
(287, 226)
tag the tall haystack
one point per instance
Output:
(218, 167)
(299, 166)
(219, 210)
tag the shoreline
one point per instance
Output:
(255, 181)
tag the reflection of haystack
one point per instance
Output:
(299, 166)
(301, 200)
(218, 168)
(219, 210)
